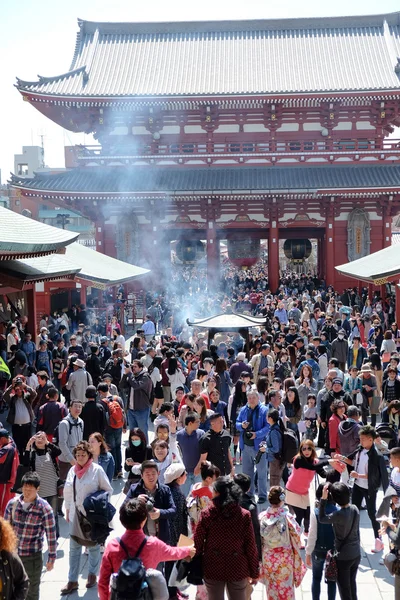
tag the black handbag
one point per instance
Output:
(195, 571)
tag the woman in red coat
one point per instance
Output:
(338, 409)
(224, 536)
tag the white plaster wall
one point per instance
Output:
(254, 127)
(170, 129)
(364, 125)
(343, 126)
(289, 127)
(227, 129)
(140, 129)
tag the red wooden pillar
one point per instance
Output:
(397, 303)
(319, 257)
(330, 246)
(273, 256)
(83, 293)
(321, 249)
(212, 256)
(32, 312)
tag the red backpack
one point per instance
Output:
(115, 413)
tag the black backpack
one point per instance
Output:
(56, 434)
(130, 582)
(290, 446)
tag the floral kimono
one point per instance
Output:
(282, 568)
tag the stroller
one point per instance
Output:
(388, 434)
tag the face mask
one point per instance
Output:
(340, 337)
(136, 443)
(276, 325)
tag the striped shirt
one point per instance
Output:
(45, 468)
(30, 526)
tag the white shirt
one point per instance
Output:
(361, 467)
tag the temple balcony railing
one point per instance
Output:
(271, 151)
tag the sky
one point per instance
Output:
(38, 37)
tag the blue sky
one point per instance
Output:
(38, 37)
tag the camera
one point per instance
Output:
(18, 381)
(260, 453)
(149, 504)
(248, 434)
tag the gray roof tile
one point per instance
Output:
(21, 235)
(237, 57)
(115, 180)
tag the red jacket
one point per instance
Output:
(226, 539)
(334, 439)
(154, 552)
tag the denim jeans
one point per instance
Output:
(318, 562)
(190, 480)
(248, 455)
(113, 440)
(75, 553)
(139, 418)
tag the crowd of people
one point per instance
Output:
(225, 438)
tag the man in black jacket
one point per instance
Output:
(368, 469)
(140, 396)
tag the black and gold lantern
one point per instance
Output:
(190, 251)
(297, 250)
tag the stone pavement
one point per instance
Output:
(373, 579)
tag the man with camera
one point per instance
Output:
(253, 426)
(158, 499)
(19, 398)
(140, 395)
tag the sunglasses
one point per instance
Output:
(307, 448)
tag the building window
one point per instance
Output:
(22, 170)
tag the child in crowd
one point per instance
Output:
(201, 493)
(310, 417)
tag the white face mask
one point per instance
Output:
(340, 336)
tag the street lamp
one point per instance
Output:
(62, 219)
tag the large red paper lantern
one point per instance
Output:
(243, 252)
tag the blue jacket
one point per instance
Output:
(163, 501)
(259, 424)
(314, 368)
(362, 354)
(274, 442)
(106, 461)
(99, 512)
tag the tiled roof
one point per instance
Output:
(21, 235)
(230, 57)
(384, 263)
(114, 180)
(77, 260)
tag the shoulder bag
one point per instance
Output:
(331, 569)
(80, 527)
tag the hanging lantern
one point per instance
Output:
(297, 250)
(190, 251)
(243, 252)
